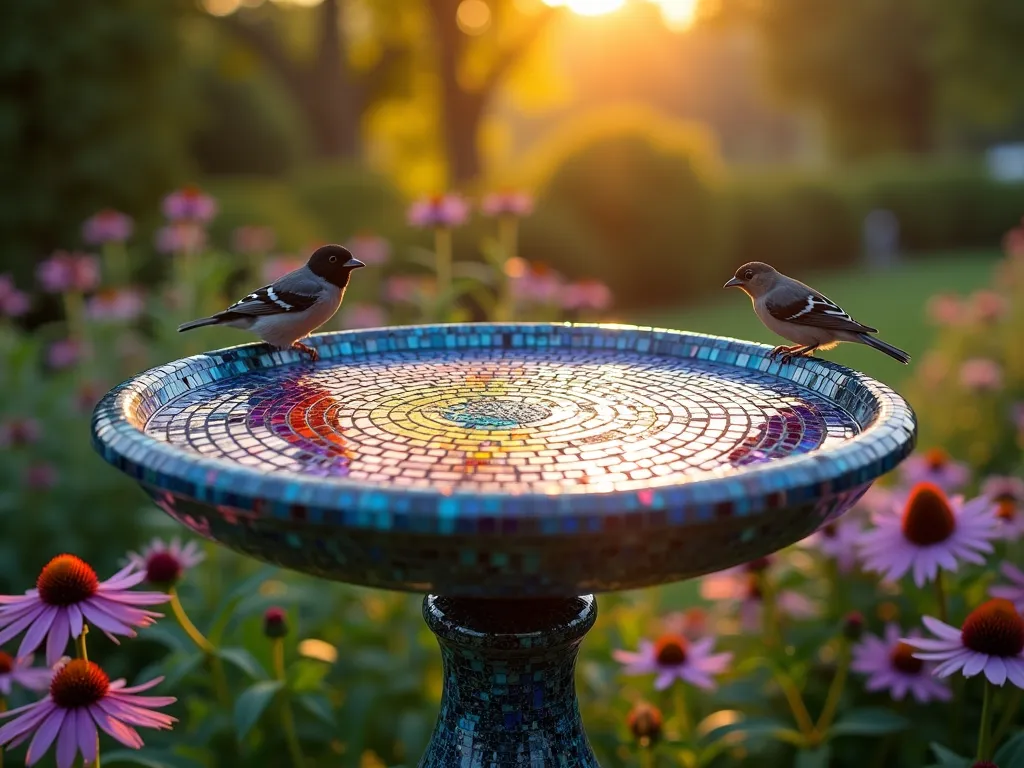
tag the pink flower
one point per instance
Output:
(673, 657)
(279, 266)
(946, 309)
(587, 295)
(68, 594)
(13, 303)
(181, 236)
(21, 672)
(1007, 493)
(163, 563)
(988, 306)
(991, 641)
(1013, 241)
(369, 249)
(981, 374)
(406, 289)
(253, 240)
(837, 540)
(932, 532)
(121, 304)
(19, 432)
(934, 369)
(81, 699)
(63, 354)
(890, 665)
(1017, 416)
(40, 476)
(448, 211)
(937, 467)
(742, 584)
(107, 226)
(88, 395)
(507, 203)
(1014, 591)
(363, 316)
(693, 623)
(533, 283)
(189, 204)
(66, 272)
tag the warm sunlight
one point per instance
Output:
(678, 14)
(588, 7)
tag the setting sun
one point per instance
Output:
(588, 7)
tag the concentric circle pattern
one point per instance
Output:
(494, 421)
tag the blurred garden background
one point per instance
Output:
(609, 160)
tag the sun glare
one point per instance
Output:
(588, 7)
(678, 14)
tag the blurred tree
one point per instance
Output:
(865, 66)
(91, 113)
(326, 85)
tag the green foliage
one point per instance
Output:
(91, 115)
(348, 199)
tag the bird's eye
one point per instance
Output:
(333, 259)
(748, 275)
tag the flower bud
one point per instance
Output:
(853, 626)
(644, 723)
(275, 622)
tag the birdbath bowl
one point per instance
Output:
(508, 472)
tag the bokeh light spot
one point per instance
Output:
(473, 16)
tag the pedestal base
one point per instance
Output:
(509, 696)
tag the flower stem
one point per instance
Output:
(647, 757)
(508, 235)
(985, 729)
(835, 691)
(1008, 716)
(940, 597)
(443, 264)
(83, 652)
(116, 257)
(682, 710)
(220, 682)
(796, 705)
(287, 719)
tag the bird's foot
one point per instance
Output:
(314, 356)
(797, 351)
(783, 350)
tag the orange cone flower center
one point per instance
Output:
(758, 565)
(928, 517)
(994, 628)
(829, 531)
(670, 651)
(67, 580)
(645, 723)
(902, 658)
(936, 458)
(162, 568)
(1006, 506)
(6, 663)
(79, 684)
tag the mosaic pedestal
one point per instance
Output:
(505, 467)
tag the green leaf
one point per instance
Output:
(148, 758)
(244, 660)
(948, 758)
(318, 706)
(813, 758)
(307, 675)
(870, 721)
(251, 704)
(1011, 754)
(749, 728)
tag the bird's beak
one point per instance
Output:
(353, 263)
(734, 282)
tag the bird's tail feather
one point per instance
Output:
(894, 352)
(198, 323)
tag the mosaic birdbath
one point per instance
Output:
(504, 471)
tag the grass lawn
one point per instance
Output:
(892, 301)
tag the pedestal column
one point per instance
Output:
(509, 696)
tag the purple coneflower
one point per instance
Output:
(673, 657)
(937, 467)
(946, 309)
(439, 212)
(82, 699)
(189, 204)
(932, 532)
(13, 303)
(991, 641)
(741, 584)
(40, 476)
(1007, 493)
(980, 374)
(19, 432)
(69, 272)
(180, 236)
(1014, 591)
(252, 240)
(63, 353)
(21, 672)
(592, 295)
(533, 282)
(406, 289)
(507, 203)
(837, 540)
(67, 595)
(107, 226)
(119, 304)
(163, 563)
(890, 665)
(369, 248)
(988, 306)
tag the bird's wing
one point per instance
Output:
(271, 300)
(808, 307)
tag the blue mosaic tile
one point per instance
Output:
(504, 460)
